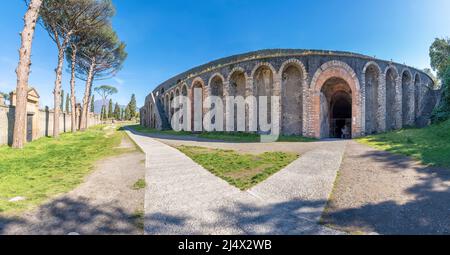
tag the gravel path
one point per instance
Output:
(105, 203)
(184, 198)
(380, 192)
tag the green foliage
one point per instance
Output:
(440, 61)
(67, 103)
(240, 170)
(100, 53)
(92, 103)
(132, 106)
(116, 114)
(440, 55)
(110, 109)
(431, 145)
(103, 114)
(223, 136)
(48, 167)
(127, 113)
(140, 184)
(442, 112)
(5, 96)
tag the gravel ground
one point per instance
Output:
(105, 203)
(380, 192)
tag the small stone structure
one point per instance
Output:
(321, 92)
(39, 122)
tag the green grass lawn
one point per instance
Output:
(48, 167)
(222, 136)
(431, 145)
(240, 170)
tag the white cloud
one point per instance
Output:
(118, 80)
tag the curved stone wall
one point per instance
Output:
(321, 92)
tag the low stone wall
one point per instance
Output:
(43, 123)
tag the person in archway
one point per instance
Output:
(345, 132)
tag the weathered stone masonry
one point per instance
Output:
(321, 92)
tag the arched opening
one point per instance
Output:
(292, 101)
(197, 107)
(167, 106)
(407, 99)
(391, 102)
(216, 87)
(171, 108)
(336, 109)
(237, 84)
(263, 87)
(372, 104)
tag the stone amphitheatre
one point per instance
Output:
(320, 91)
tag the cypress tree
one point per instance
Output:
(132, 106)
(110, 109)
(67, 103)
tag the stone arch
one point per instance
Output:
(184, 89)
(237, 69)
(335, 71)
(407, 98)
(372, 90)
(293, 80)
(294, 62)
(263, 64)
(216, 85)
(237, 86)
(393, 99)
(216, 76)
(197, 83)
(263, 86)
(217, 89)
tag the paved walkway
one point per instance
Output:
(184, 198)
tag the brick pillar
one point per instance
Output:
(363, 105)
(248, 92)
(277, 92)
(226, 93)
(381, 111)
(398, 103)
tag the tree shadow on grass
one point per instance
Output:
(428, 213)
(64, 216)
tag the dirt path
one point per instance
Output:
(106, 203)
(377, 191)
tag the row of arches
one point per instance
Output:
(391, 99)
(390, 94)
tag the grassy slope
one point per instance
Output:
(431, 145)
(240, 170)
(48, 166)
(223, 136)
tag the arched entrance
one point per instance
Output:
(336, 104)
(336, 101)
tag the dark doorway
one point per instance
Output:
(341, 115)
(29, 127)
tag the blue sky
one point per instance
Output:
(165, 38)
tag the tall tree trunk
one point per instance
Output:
(57, 91)
(73, 116)
(87, 95)
(23, 72)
